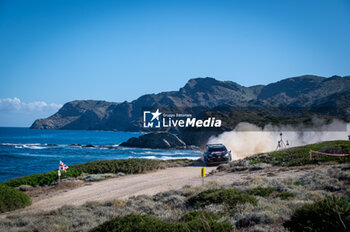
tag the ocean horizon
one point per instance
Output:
(25, 151)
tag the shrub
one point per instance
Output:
(203, 221)
(134, 223)
(193, 221)
(11, 199)
(254, 218)
(285, 196)
(299, 183)
(127, 166)
(260, 191)
(230, 197)
(330, 214)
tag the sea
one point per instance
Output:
(25, 151)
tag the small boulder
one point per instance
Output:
(89, 145)
(25, 187)
(74, 145)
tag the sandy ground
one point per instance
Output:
(150, 183)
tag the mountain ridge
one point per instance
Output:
(301, 91)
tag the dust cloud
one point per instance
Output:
(248, 139)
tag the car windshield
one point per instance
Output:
(216, 149)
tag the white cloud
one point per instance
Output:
(16, 105)
(14, 112)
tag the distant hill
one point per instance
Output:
(313, 94)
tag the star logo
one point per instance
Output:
(156, 115)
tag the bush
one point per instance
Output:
(11, 199)
(330, 214)
(299, 183)
(203, 221)
(193, 221)
(127, 166)
(285, 196)
(230, 197)
(262, 192)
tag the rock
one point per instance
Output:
(223, 167)
(157, 140)
(75, 145)
(98, 177)
(25, 187)
(69, 179)
(259, 166)
(51, 145)
(89, 145)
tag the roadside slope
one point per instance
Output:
(150, 184)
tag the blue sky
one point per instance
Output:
(56, 51)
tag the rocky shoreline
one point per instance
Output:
(158, 140)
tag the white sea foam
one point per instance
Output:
(149, 157)
(36, 155)
(20, 144)
(27, 146)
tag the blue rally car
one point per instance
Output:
(216, 154)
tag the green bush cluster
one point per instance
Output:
(285, 196)
(300, 183)
(11, 199)
(127, 166)
(230, 197)
(299, 156)
(260, 191)
(330, 214)
(193, 221)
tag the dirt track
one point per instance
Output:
(120, 187)
(149, 183)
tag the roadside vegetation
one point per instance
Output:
(192, 221)
(330, 214)
(229, 197)
(300, 155)
(11, 199)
